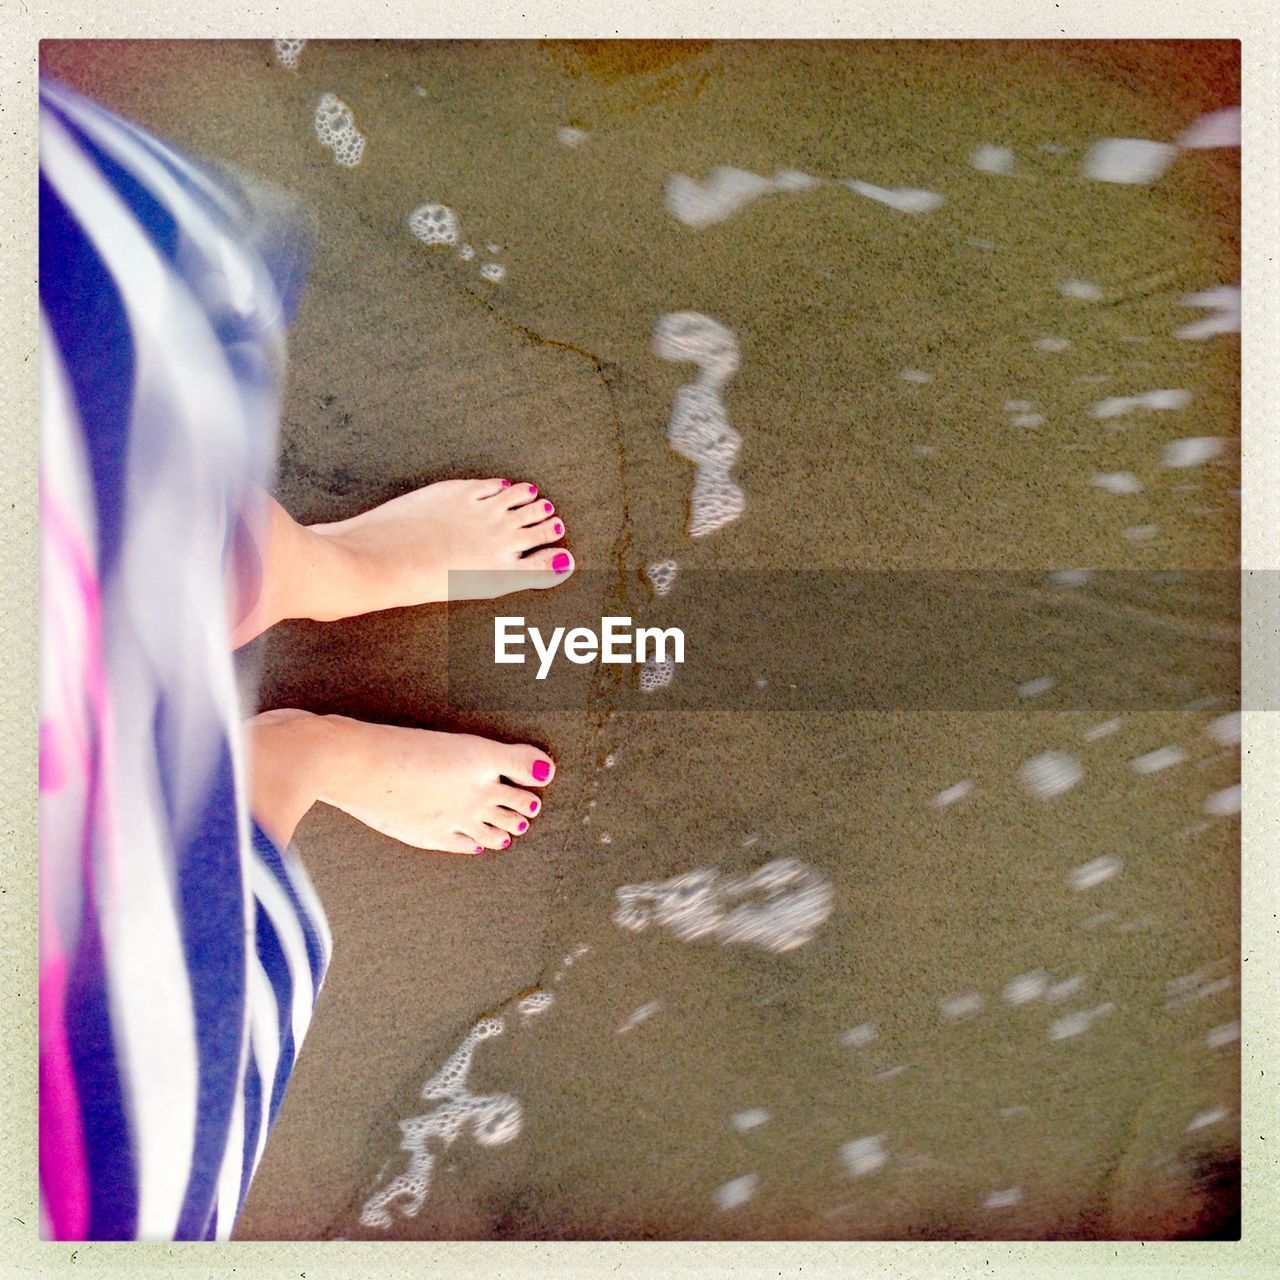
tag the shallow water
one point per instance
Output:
(996, 995)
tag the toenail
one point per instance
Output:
(546, 506)
(524, 826)
(533, 490)
(559, 528)
(506, 844)
(541, 771)
(506, 484)
(479, 848)
(561, 563)
(533, 806)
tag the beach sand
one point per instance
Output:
(1105, 1108)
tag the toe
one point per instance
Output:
(542, 534)
(506, 820)
(533, 512)
(494, 837)
(521, 495)
(554, 563)
(460, 842)
(529, 767)
(523, 805)
(491, 488)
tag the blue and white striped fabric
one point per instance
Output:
(181, 952)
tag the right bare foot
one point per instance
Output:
(448, 791)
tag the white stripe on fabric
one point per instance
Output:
(310, 900)
(284, 919)
(232, 1166)
(264, 1030)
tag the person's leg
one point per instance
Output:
(447, 791)
(399, 554)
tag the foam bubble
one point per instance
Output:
(1003, 1199)
(494, 1119)
(535, 1003)
(1224, 302)
(698, 428)
(737, 1192)
(642, 1014)
(957, 1008)
(1118, 482)
(905, 199)
(780, 906)
(662, 576)
(1160, 758)
(1219, 1037)
(1206, 1118)
(953, 794)
(1224, 803)
(1225, 729)
(467, 252)
(1050, 774)
(1078, 1023)
(1129, 160)
(288, 52)
(724, 191)
(1219, 128)
(656, 674)
(1085, 290)
(434, 224)
(1192, 451)
(336, 129)
(493, 272)
(1089, 874)
(1026, 987)
(745, 1121)
(992, 159)
(864, 1155)
(860, 1036)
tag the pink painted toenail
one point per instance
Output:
(524, 826)
(546, 506)
(533, 806)
(479, 848)
(561, 563)
(559, 528)
(506, 484)
(533, 490)
(541, 771)
(506, 844)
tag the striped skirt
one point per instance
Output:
(180, 951)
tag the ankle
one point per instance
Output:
(294, 758)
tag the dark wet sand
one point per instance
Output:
(407, 367)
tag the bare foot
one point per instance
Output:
(503, 536)
(448, 791)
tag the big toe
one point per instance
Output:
(553, 565)
(529, 767)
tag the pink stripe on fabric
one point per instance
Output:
(52, 769)
(64, 1170)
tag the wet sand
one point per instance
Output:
(406, 367)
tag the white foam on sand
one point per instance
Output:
(493, 1119)
(1089, 874)
(1213, 129)
(1026, 987)
(1224, 302)
(1192, 451)
(1160, 758)
(753, 1118)
(1050, 774)
(953, 794)
(642, 1014)
(904, 199)
(737, 1192)
(726, 190)
(656, 674)
(535, 1003)
(1162, 399)
(1003, 1199)
(662, 576)
(864, 1155)
(1085, 290)
(992, 159)
(1224, 803)
(1128, 160)
(1225, 729)
(859, 1037)
(288, 52)
(434, 224)
(336, 129)
(777, 908)
(698, 428)
(1220, 1037)
(1075, 1024)
(570, 136)
(958, 1008)
(1118, 482)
